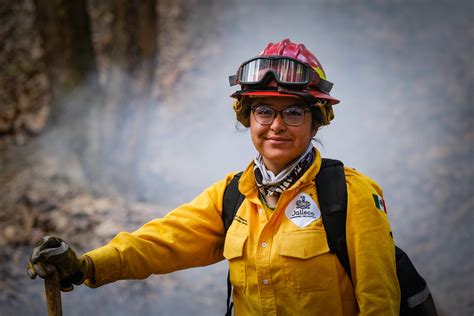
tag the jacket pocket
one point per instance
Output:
(234, 252)
(307, 263)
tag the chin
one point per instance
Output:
(278, 158)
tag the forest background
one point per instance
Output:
(114, 112)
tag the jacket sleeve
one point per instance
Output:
(191, 235)
(371, 248)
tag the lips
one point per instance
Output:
(277, 139)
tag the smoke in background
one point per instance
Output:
(403, 71)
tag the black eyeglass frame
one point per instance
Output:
(281, 112)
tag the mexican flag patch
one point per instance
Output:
(379, 203)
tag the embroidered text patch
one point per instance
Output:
(302, 210)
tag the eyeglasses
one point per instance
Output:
(287, 71)
(293, 115)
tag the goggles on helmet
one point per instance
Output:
(287, 71)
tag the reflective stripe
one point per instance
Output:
(418, 298)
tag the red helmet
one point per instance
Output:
(285, 68)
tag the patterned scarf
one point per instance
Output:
(270, 184)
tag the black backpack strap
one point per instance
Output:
(230, 304)
(332, 195)
(231, 203)
(416, 298)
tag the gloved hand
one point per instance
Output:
(54, 254)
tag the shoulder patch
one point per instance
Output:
(379, 203)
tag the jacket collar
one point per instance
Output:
(248, 186)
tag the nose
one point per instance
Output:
(278, 123)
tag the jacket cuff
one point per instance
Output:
(106, 266)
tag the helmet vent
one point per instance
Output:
(282, 45)
(299, 48)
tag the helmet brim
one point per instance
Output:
(316, 94)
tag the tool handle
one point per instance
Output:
(53, 294)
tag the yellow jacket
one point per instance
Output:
(279, 264)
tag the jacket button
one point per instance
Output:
(264, 244)
(265, 281)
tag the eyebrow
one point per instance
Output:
(285, 105)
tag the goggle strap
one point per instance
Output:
(233, 80)
(325, 86)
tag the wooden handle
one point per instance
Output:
(53, 295)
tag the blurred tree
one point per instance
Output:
(128, 90)
(66, 39)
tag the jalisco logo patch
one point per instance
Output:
(302, 210)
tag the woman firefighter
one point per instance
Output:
(280, 260)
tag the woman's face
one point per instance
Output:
(279, 143)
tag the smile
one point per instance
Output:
(277, 139)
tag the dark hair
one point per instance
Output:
(317, 116)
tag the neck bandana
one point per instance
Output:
(270, 184)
